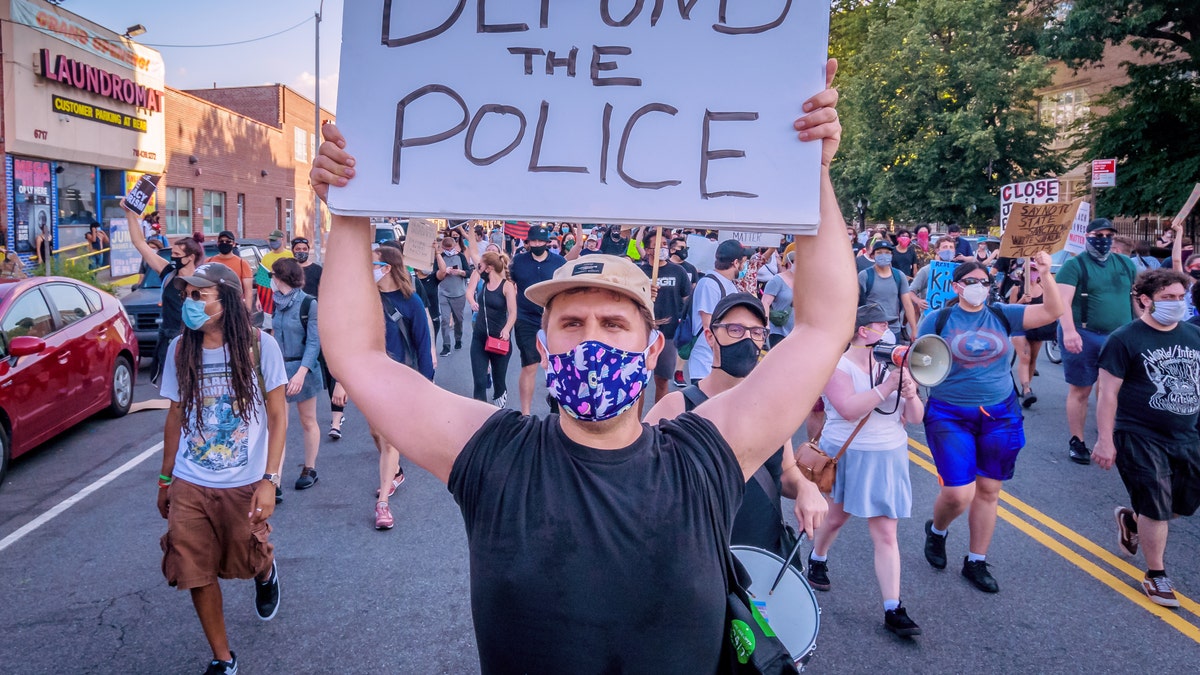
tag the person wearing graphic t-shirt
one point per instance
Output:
(973, 419)
(670, 298)
(1146, 417)
(222, 449)
(557, 507)
(226, 243)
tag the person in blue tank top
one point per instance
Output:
(973, 421)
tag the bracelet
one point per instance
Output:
(164, 482)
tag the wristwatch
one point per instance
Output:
(273, 477)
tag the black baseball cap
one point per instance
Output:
(732, 249)
(739, 300)
(537, 233)
(226, 234)
(209, 275)
(1100, 224)
(883, 243)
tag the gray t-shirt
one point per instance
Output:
(887, 292)
(920, 282)
(783, 300)
(454, 286)
(705, 298)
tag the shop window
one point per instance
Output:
(214, 212)
(178, 211)
(76, 202)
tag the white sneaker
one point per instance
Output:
(502, 401)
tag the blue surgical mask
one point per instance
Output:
(883, 259)
(194, 314)
(1167, 312)
(945, 256)
(275, 244)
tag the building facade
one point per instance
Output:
(83, 119)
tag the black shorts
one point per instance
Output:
(525, 335)
(1163, 479)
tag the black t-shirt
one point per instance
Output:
(692, 272)
(618, 246)
(905, 261)
(312, 279)
(759, 522)
(596, 561)
(1160, 396)
(674, 286)
(172, 302)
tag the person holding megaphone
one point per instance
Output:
(973, 421)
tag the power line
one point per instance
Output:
(170, 46)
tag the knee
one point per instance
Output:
(957, 498)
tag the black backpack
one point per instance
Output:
(865, 291)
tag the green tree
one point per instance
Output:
(938, 107)
(1152, 123)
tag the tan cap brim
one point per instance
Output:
(542, 292)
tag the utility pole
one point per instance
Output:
(317, 220)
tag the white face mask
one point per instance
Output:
(379, 274)
(975, 295)
(1167, 312)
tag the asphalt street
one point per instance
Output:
(82, 592)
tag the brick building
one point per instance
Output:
(237, 159)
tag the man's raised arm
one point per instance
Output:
(762, 412)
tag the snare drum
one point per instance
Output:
(792, 610)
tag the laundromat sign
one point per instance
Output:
(89, 78)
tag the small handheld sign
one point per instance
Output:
(140, 194)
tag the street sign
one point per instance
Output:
(1104, 173)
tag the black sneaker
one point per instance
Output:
(979, 576)
(457, 344)
(445, 351)
(229, 667)
(935, 546)
(897, 621)
(266, 595)
(818, 574)
(1079, 451)
(307, 479)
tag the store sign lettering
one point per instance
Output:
(95, 113)
(97, 81)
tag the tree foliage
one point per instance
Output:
(938, 106)
(1152, 123)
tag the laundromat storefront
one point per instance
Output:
(83, 119)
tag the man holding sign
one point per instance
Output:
(560, 511)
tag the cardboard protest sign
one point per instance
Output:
(753, 239)
(1077, 239)
(418, 243)
(1188, 206)
(140, 195)
(1043, 191)
(1038, 227)
(940, 292)
(123, 257)
(664, 113)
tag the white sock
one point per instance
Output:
(975, 557)
(940, 533)
(818, 558)
(889, 605)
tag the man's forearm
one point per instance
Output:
(347, 277)
(826, 285)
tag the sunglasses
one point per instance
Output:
(299, 240)
(971, 281)
(737, 331)
(199, 296)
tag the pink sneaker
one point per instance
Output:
(383, 516)
(396, 481)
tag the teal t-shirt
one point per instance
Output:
(1108, 287)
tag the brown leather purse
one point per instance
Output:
(819, 467)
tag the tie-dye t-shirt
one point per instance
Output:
(216, 448)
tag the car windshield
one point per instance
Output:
(383, 234)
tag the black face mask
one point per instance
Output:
(178, 260)
(681, 254)
(537, 250)
(1195, 274)
(739, 358)
(224, 248)
(301, 257)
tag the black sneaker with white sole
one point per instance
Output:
(897, 621)
(1079, 452)
(218, 667)
(935, 546)
(266, 595)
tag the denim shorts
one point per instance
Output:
(974, 441)
(1082, 369)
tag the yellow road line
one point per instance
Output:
(1075, 538)
(1166, 615)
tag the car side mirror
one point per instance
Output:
(26, 345)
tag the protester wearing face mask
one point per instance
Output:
(670, 298)
(1147, 422)
(533, 266)
(904, 258)
(866, 408)
(710, 289)
(1029, 290)
(885, 286)
(973, 421)
(407, 340)
(1096, 286)
(302, 252)
(295, 329)
(919, 289)
(738, 342)
(262, 276)
(186, 256)
(453, 270)
(227, 256)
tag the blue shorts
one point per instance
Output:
(1082, 369)
(969, 442)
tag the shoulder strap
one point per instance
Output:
(867, 285)
(305, 308)
(693, 396)
(861, 424)
(999, 314)
(939, 324)
(720, 286)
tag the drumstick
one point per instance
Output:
(657, 247)
(786, 562)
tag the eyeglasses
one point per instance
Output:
(971, 281)
(199, 296)
(737, 331)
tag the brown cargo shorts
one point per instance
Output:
(209, 536)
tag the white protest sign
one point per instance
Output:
(1043, 191)
(664, 113)
(123, 257)
(1077, 239)
(753, 239)
(702, 252)
(418, 244)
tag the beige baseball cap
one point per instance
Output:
(608, 272)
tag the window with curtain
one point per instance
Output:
(178, 211)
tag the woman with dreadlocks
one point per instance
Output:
(222, 448)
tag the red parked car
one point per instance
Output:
(67, 351)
